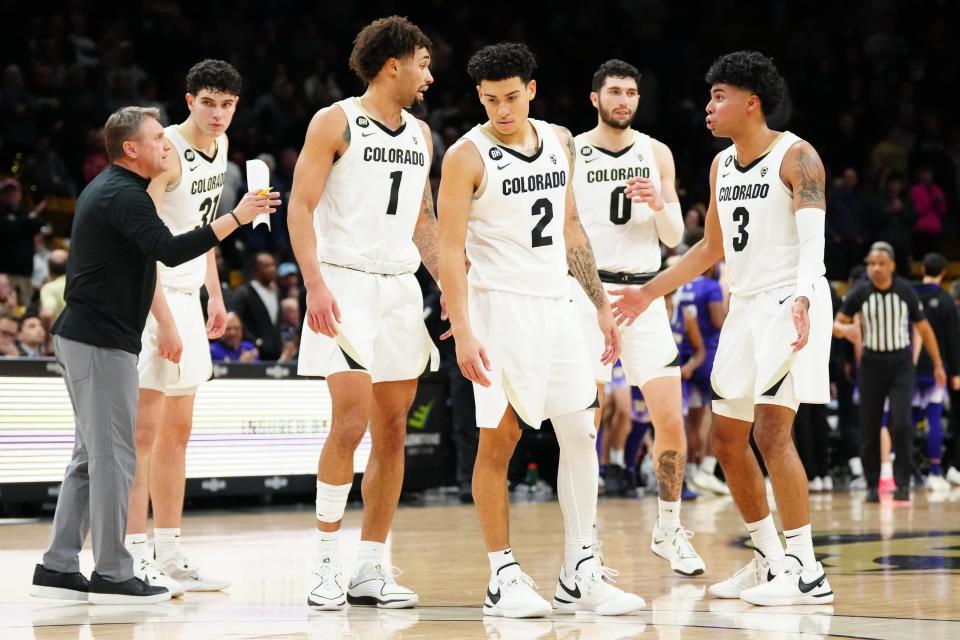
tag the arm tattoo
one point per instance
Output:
(810, 190)
(669, 472)
(567, 138)
(426, 234)
(583, 267)
(346, 133)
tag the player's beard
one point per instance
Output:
(607, 117)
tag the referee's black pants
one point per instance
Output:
(881, 376)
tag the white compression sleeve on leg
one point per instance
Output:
(578, 475)
(669, 224)
(810, 231)
(332, 501)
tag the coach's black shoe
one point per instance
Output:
(617, 482)
(59, 586)
(132, 591)
(901, 494)
(873, 494)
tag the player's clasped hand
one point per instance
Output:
(629, 303)
(169, 345)
(643, 190)
(254, 203)
(323, 313)
(473, 360)
(801, 320)
(611, 337)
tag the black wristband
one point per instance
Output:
(234, 216)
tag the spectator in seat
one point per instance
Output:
(257, 304)
(232, 347)
(931, 206)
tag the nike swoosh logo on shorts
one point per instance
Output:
(785, 299)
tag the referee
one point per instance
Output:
(116, 240)
(887, 305)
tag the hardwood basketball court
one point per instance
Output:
(895, 570)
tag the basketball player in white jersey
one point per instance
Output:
(506, 204)
(175, 358)
(361, 221)
(766, 219)
(626, 237)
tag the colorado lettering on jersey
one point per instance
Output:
(617, 175)
(743, 192)
(397, 156)
(539, 182)
(209, 184)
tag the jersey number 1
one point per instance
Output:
(742, 217)
(395, 178)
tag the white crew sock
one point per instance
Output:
(577, 483)
(503, 564)
(136, 544)
(886, 470)
(166, 544)
(617, 458)
(708, 465)
(328, 544)
(668, 515)
(765, 539)
(370, 553)
(800, 545)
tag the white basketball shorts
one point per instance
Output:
(647, 347)
(195, 367)
(538, 357)
(755, 363)
(381, 330)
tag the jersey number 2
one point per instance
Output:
(544, 207)
(742, 217)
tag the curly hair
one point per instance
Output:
(750, 70)
(502, 61)
(393, 37)
(614, 69)
(215, 75)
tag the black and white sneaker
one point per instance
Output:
(59, 586)
(132, 591)
(374, 585)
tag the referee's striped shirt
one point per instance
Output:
(886, 316)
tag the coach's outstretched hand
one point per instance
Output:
(253, 204)
(629, 303)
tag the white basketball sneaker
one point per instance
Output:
(152, 572)
(758, 571)
(673, 545)
(325, 586)
(937, 483)
(514, 597)
(590, 588)
(189, 576)
(794, 585)
(709, 483)
(374, 585)
(953, 476)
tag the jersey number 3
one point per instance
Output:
(742, 217)
(208, 210)
(545, 208)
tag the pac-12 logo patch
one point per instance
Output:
(763, 171)
(727, 162)
(640, 156)
(362, 122)
(495, 154)
(585, 150)
(553, 158)
(189, 155)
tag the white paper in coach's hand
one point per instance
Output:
(258, 179)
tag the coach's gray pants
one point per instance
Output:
(102, 384)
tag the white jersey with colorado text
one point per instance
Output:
(760, 241)
(370, 204)
(623, 234)
(191, 203)
(515, 227)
